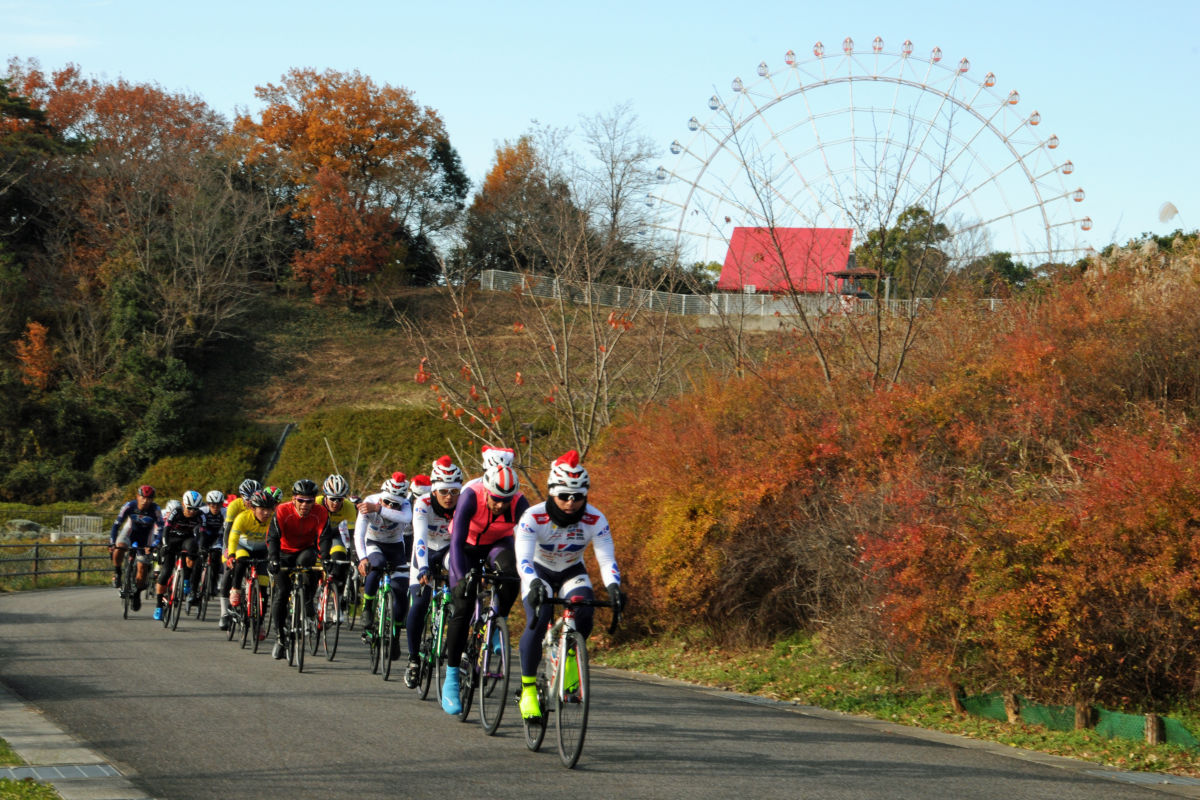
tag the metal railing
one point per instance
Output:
(721, 303)
(41, 554)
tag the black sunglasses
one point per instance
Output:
(305, 501)
(390, 503)
(572, 496)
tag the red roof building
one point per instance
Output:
(757, 259)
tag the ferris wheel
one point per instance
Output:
(851, 139)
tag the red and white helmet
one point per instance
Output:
(445, 474)
(567, 473)
(421, 486)
(497, 455)
(395, 487)
(500, 481)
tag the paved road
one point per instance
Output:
(187, 714)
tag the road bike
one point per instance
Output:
(299, 624)
(352, 597)
(173, 599)
(563, 682)
(206, 587)
(129, 587)
(485, 660)
(432, 650)
(329, 610)
(385, 628)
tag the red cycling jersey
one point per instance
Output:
(298, 533)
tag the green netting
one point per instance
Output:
(986, 705)
(1056, 718)
(1177, 734)
(1113, 724)
(1116, 725)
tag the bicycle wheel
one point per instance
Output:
(387, 631)
(205, 576)
(127, 583)
(176, 607)
(439, 650)
(425, 655)
(352, 598)
(535, 731)
(494, 675)
(235, 620)
(295, 636)
(315, 627)
(331, 627)
(571, 696)
(251, 613)
(468, 676)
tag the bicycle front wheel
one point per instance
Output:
(494, 675)
(387, 631)
(315, 627)
(331, 626)
(571, 695)
(468, 673)
(176, 606)
(127, 583)
(296, 634)
(205, 578)
(535, 730)
(252, 597)
(426, 655)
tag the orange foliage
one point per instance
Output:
(36, 357)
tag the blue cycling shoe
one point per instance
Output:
(158, 613)
(450, 702)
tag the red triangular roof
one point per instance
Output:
(809, 253)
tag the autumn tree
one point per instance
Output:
(572, 359)
(371, 169)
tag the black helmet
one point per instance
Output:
(305, 487)
(263, 499)
(248, 488)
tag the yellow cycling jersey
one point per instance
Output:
(237, 506)
(348, 513)
(247, 526)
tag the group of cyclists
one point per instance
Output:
(412, 530)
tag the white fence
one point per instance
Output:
(764, 305)
(79, 525)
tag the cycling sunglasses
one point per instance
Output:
(571, 496)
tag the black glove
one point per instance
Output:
(273, 567)
(615, 595)
(537, 594)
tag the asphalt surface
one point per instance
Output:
(187, 714)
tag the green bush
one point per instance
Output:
(368, 446)
(236, 455)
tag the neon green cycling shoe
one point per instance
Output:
(530, 709)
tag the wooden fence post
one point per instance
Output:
(1083, 715)
(1154, 729)
(79, 565)
(35, 563)
(1012, 707)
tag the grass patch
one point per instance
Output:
(8, 756)
(795, 670)
(27, 790)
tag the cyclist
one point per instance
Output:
(381, 538)
(294, 540)
(551, 538)
(432, 514)
(233, 509)
(180, 535)
(209, 541)
(492, 456)
(481, 533)
(247, 539)
(342, 517)
(138, 522)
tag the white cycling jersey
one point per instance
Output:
(387, 525)
(539, 541)
(431, 532)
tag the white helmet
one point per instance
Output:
(445, 474)
(335, 487)
(395, 487)
(497, 455)
(567, 473)
(172, 507)
(501, 481)
(215, 496)
(191, 499)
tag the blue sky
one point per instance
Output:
(1117, 82)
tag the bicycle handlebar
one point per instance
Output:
(575, 603)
